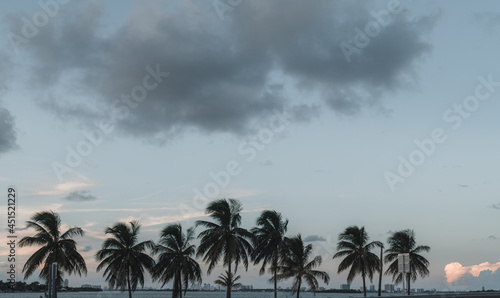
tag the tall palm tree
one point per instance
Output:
(228, 280)
(175, 259)
(295, 264)
(404, 242)
(224, 238)
(269, 242)
(55, 247)
(123, 258)
(353, 245)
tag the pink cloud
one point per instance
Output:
(455, 271)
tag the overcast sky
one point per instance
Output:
(381, 114)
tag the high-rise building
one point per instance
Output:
(372, 288)
(389, 288)
(345, 286)
(66, 283)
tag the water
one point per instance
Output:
(153, 294)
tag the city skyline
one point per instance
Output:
(380, 114)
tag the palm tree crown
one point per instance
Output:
(404, 242)
(55, 247)
(228, 280)
(295, 264)
(354, 247)
(270, 241)
(123, 258)
(224, 238)
(175, 260)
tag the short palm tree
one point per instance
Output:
(224, 238)
(175, 260)
(295, 264)
(55, 247)
(228, 280)
(404, 242)
(270, 241)
(353, 245)
(124, 258)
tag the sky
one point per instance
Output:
(382, 114)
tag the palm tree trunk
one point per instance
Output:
(363, 275)
(179, 284)
(408, 274)
(364, 285)
(56, 274)
(228, 290)
(275, 280)
(128, 285)
(298, 289)
(381, 269)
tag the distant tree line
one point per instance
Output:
(124, 259)
(21, 286)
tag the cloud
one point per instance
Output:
(8, 135)
(79, 183)
(463, 185)
(475, 276)
(489, 21)
(495, 206)
(86, 248)
(80, 196)
(492, 237)
(222, 75)
(312, 238)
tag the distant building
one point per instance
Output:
(246, 287)
(389, 288)
(372, 288)
(66, 283)
(206, 287)
(345, 286)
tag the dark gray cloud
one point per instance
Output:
(463, 185)
(492, 237)
(80, 196)
(486, 278)
(312, 238)
(221, 74)
(495, 206)
(86, 248)
(8, 135)
(488, 21)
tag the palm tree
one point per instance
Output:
(175, 259)
(56, 247)
(354, 247)
(228, 280)
(404, 242)
(224, 238)
(269, 242)
(295, 264)
(124, 258)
